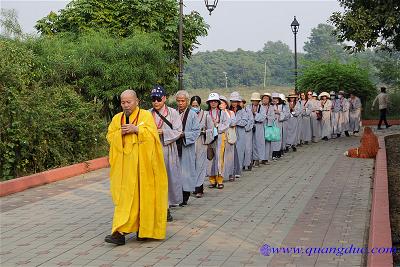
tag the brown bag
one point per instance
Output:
(210, 152)
(319, 115)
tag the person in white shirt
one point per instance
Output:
(383, 101)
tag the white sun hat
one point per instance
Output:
(213, 96)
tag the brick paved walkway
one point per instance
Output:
(314, 197)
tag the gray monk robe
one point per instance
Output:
(258, 134)
(248, 152)
(355, 114)
(315, 124)
(306, 108)
(214, 166)
(277, 119)
(229, 153)
(292, 125)
(242, 120)
(188, 158)
(284, 120)
(343, 124)
(326, 107)
(206, 137)
(270, 116)
(335, 116)
(171, 158)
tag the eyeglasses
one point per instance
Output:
(156, 98)
(309, 94)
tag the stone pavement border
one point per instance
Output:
(23, 183)
(380, 232)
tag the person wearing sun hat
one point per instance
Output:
(221, 125)
(248, 152)
(277, 120)
(242, 120)
(169, 127)
(343, 125)
(315, 118)
(326, 108)
(355, 113)
(335, 114)
(259, 116)
(284, 120)
(227, 154)
(293, 122)
(267, 103)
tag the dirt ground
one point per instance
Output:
(393, 160)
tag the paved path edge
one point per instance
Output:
(375, 122)
(41, 178)
(379, 232)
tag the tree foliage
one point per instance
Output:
(127, 17)
(323, 45)
(42, 126)
(334, 76)
(369, 23)
(243, 68)
(9, 23)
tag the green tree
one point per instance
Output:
(323, 45)
(334, 76)
(369, 23)
(100, 66)
(9, 23)
(125, 18)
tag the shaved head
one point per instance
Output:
(129, 92)
(129, 101)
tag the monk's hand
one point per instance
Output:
(160, 131)
(129, 129)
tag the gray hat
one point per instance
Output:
(223, 98)
(235, 96)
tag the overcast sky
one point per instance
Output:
(234, 24)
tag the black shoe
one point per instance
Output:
(294, 148)
(379, 128)
(325, 138)
(116, 238)
(387, 126)
(306, 142)
(184, 203)
(347, 133)
(169, 216)
(250, 168)
(338, 135)
(287, 149)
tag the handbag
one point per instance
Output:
(210, 152)
(272, 133)
(231, 135)
(319, 115)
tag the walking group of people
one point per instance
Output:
(228, 137)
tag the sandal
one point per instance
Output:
(220, 186)
(212, 186)
(199, 195)
(231, 179)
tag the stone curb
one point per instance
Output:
(379, 231)
(25, 182)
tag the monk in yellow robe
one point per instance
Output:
(138, 177)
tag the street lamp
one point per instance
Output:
(226, 79)
(295, 29)
(210, 7)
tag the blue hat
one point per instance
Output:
(158, 91)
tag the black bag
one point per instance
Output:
(319, 115)
(210, 152)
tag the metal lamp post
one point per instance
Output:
(265, 72)
(295, 29)
(210, 5)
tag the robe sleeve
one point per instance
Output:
(270, 116)
(260, 116)
(241, 118)
(224, 122)
(250, 123)
(192, 128)
(209, 127)
(297, 110)
(232, 119)
(171, 135)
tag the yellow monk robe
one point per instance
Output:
(138, 177)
